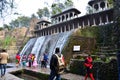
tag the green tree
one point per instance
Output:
(40, 13)
(110, 2)
(43, 12)
(89, 10)
(7, 26)
(46, 12)
(33, 16)
(22, 21)
(6, 7)
(14, 23)
(58, 7)
(68, 3)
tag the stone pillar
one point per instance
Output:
(88, 22)
(107, 18)
(68, 27)
(94, 22)
(60, 18)
(73, 13)
(60, 29)
(65, 28)
(106, 4)
(100, 21)
(73, 26)
(54, 30)
(99, 8)
(51, 31)
(77, 24)
(64, 17)
(48, 32)
(93, 8)
(57, 30)
(83, 24)
(68, 16)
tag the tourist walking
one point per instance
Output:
(3, 62)
(17, 60)
(42, 61)
(45, 60)
(88, 64)
(30, 60)
(57, 65)
(24, 60)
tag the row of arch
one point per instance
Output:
(80, 22)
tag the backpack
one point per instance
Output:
(61, 64)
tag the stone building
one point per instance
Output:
(70, 19)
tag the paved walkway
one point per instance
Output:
(68, 76)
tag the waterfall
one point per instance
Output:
(47, 44)
(28, 47)
(38, 44)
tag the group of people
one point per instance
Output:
(57, 64)
(55, 71)
(29, 61)
(3, 61)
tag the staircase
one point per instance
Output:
(106, 50)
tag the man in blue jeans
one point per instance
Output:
(3, 62)
(54, 66)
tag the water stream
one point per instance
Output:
(47, 44)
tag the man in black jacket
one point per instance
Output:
(54, 66)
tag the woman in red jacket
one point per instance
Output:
(88, 64)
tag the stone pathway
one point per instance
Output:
(68, 76)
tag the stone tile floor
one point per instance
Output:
(8, 76)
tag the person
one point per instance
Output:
(88, 64)
(54, 65)
(35, 64)
(4, 59)
(30, 60)
(42, 61)
(45, 60)
(24, 60)
(17, 60)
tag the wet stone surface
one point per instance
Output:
(8, 76)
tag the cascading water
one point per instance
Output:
(38, 44)
(47, 44)
(28, 47)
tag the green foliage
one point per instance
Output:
(110, 2)
(43, 12)
(58, 7)
(68, 3)
(20, 22)
(89, 10)
(6, 42)
(105, 70)
(7, 26)
(89, 32)
(1, 28)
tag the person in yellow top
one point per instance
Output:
(3, 62)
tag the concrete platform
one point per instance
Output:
(8, 76)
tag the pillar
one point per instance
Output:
(94, 21)
(61, 29)
(100, 20)
(106, 4)
(107, 18)
(88, 22)
(65, 28)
